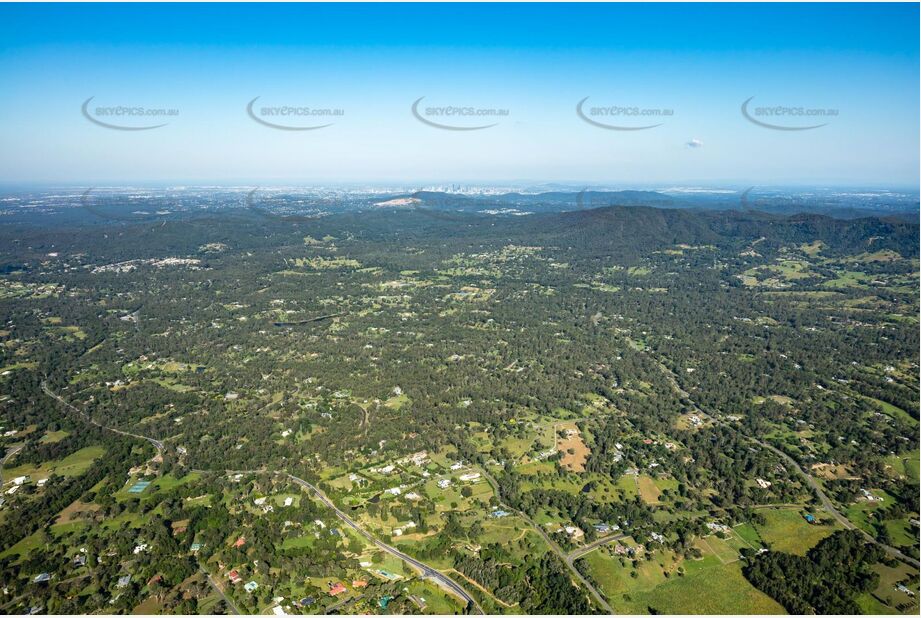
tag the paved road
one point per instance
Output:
(157, 444)
(578, 553)
(427, 572)
(9, 455)
(827, 504)
(552, 545)
(220, 591)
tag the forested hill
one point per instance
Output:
(638, 228)
(633, 225)
(612, 230)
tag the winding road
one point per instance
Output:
(581, 551)
(427, 572)
(827, 504)
(157, 444)
(9, 455)
(552, 545)
(220, 591)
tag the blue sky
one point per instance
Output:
(536, 61)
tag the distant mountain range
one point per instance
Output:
(838, 205)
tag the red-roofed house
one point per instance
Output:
(359, 583)
(234, 577)
(336, 589)
(240, 542)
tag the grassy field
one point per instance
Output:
(893, 411)
(74, 464)
(627, 485)
(54, 436)
(708, 586)
(906, 464)
(24, 546)
(885, 598)
(720, 590)
(787, 531)
(649, 491)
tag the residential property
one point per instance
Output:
(234, 577)
(336, 589)
(250, 586)
(763, 484)
(41, 578)
(574, 531)
(240, 542)
(471, 476)
(123, 581)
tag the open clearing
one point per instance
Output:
(574, 452)
(787, 531)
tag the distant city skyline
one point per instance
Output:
(622, 95)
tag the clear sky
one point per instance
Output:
(537, 61)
